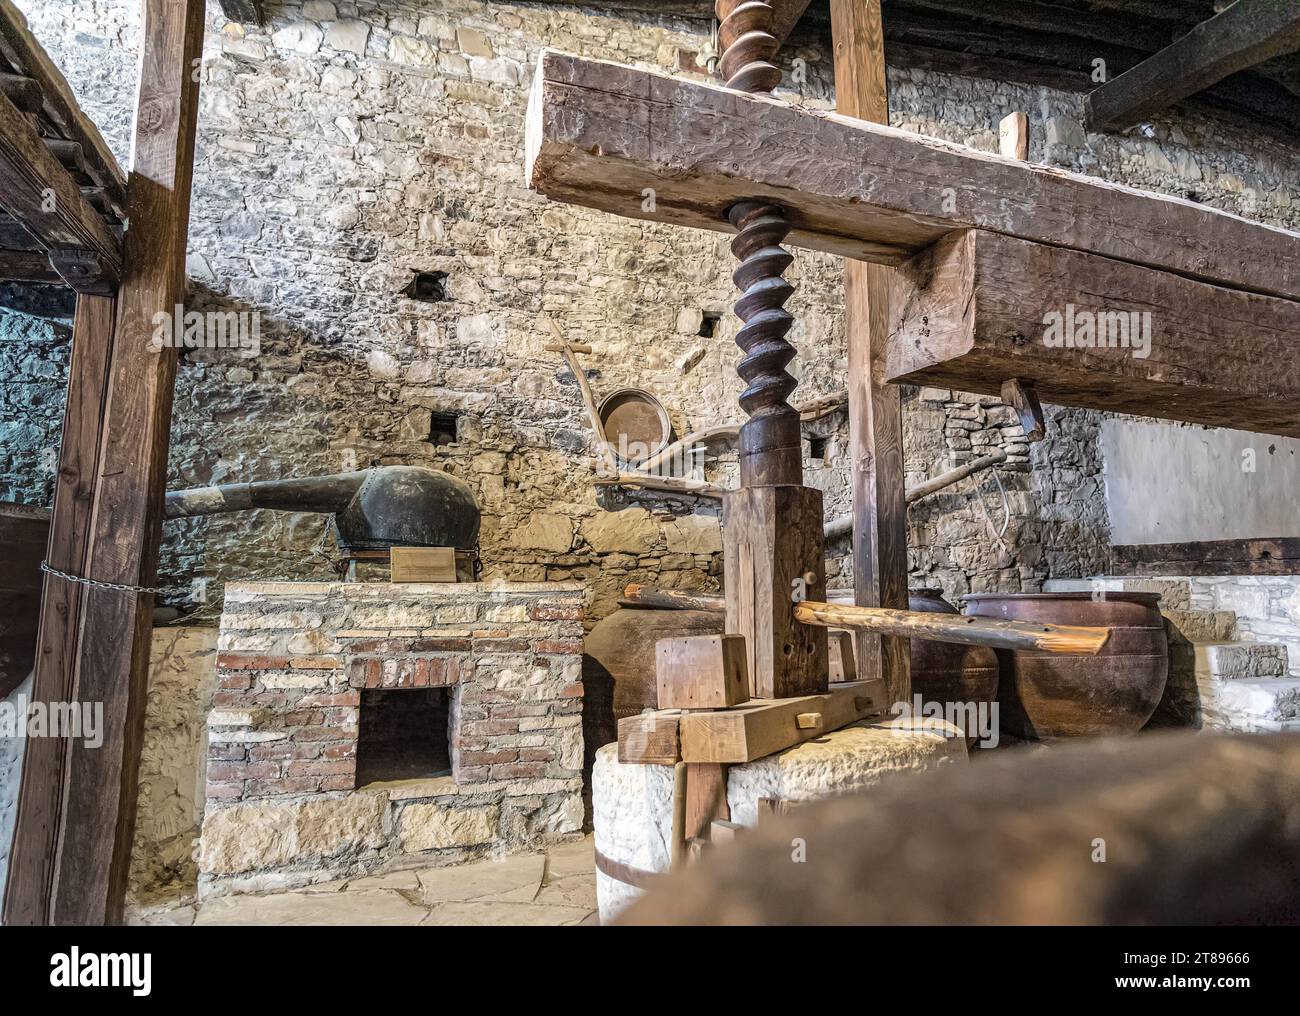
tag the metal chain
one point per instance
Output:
(120, 586)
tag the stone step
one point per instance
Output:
(1186, 626)
(1266, 704)
(1239, 661)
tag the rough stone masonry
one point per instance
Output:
(285, 805)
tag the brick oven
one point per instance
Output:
(361, 727)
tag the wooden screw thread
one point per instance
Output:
(748, 44)
(771, 441)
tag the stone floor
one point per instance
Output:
(554, 888)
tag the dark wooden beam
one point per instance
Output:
(979, 308)
(599, 134)
(248, 12)
(1245, 34)
(77, 807)
(40, 194)
(1271, 556)
(875, 408)
(27, 266)
(788, 13)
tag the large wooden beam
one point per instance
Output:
(875, 408)
(611, 137)
(38, 192)
(1245, 34)
(77, 807)
(978, 309)
(60, 107)
(1264, 556)
(32, 864)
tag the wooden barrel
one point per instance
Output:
(945, 672)
(1050, 696)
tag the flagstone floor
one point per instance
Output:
(554, 888)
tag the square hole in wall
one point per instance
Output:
(442, 428)
(709, 322)
(403, 734)
(817, 447)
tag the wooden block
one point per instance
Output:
(1022, 396)
(761, 728)
(722, 831)
(808, 721)
(772, 536)
(979, 308)
(703, 672)
(843, 662)
(423, 564)
(649, 738)
(1013, 136)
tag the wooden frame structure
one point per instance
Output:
(76, 808)
(986, 248)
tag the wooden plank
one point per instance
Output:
(96, 816)
(706, 798)
(1244, 34)
(20, 48)
(649, 738)
(41, 195)
(40, 802)
(979, 308)
(701, 672)
(600, 134)
(28, 266)
(875, 408)
(763, 727)
(423, 564)
(1268, 556)
(772, 537)
(958, 628)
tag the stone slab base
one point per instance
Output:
(633, 804)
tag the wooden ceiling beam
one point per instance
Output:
(41, 195)
(1242, 36)
(26, 57)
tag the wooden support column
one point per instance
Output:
(77, 805)
(875, 410)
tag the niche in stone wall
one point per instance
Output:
(428, 287)
(403, 734)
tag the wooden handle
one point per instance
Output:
(572, 347)
(960, 628)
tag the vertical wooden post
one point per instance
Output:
(76, 812)
(32, 859)
(875, 410)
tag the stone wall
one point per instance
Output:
(346, 146)
(285, 804)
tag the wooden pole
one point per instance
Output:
(959, 628)
(77, 806)
(875, 409)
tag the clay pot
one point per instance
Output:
(946, 672)
(1051, 696)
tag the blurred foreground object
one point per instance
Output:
(1194, 829)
